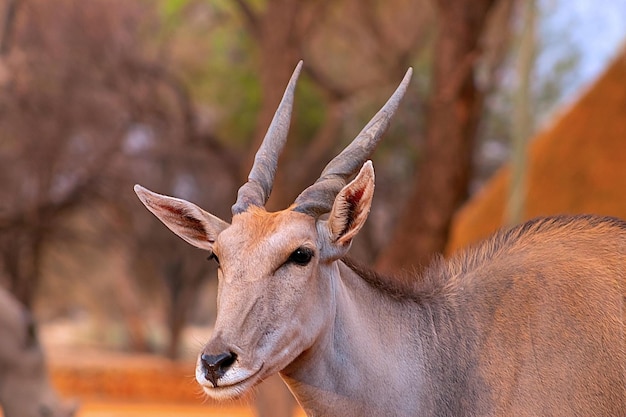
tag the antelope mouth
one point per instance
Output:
(231, 385)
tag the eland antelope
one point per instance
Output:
(528, 323)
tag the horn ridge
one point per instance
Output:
(319, 197)
(257, 189)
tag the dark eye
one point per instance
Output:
(301, 256)
(214, 257)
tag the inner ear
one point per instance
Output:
(351, 207)
(187, 220)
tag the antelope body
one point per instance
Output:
(528, 323)
(25, 389)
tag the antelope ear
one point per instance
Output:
(351, 207)
(187, 220)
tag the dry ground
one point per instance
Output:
(108, 382)
(116, 384)
(130, 409)
(113, 384)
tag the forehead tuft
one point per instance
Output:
(256, 225)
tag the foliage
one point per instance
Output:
(557, 62)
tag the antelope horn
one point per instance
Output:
(319, 197)
(261, 178)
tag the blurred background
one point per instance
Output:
(516, 109)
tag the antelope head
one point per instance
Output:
(274, 268)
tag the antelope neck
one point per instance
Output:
(354, 366)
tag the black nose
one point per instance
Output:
(215, 366)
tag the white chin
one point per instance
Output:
(231, 392)
(231, 386)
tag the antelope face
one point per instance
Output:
(273, 297)
(270, 302)
(274, 293)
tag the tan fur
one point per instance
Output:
(265, 223)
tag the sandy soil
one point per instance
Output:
(115, 384)
(125, 409)
(109, 383)
(129, 409)
(156, 410)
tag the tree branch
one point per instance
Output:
(8, 23)
(250, 17)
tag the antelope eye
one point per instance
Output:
(214, 257)
(301, 256)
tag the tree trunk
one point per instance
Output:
(20, 261)
(522, 118)
(279, 53)
(183, 281)
(443, 178)
(7, 24)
